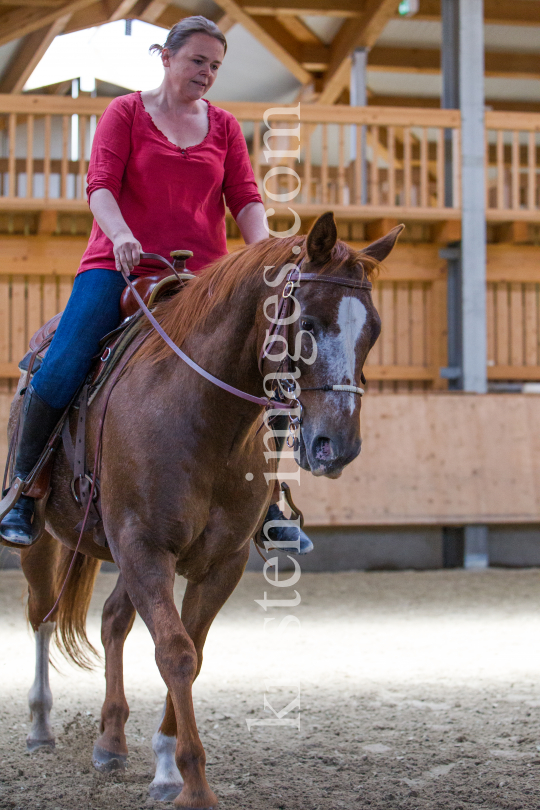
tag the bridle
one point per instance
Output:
(280, 330)
(294, 278)
(279, 324)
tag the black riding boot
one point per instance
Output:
(292, 539)
(38, 422)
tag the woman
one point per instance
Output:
(161, 163)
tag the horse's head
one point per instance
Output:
(344, 324)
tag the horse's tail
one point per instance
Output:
(70, 618)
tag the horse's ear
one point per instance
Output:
(321, 239)
(382, 248)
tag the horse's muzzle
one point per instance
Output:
(327, 454)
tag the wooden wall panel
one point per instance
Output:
(436, 458)
(427, 459)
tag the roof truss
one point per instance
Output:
(278, 25)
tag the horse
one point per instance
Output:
(184, 480)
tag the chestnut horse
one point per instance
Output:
(183, 487)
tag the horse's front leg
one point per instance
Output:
(200, 606)
(110, 750)
(148, 574)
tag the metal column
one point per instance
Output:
(358, 98)
(462, 63)
(473, 184)
(473, 228)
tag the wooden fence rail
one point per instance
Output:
(408, 353)
(363, 161)
(410, 295)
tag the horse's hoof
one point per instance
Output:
(186, 802)
(190, 807)
(105, 762)
(33, 745)
(165, 792)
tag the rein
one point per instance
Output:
(264, 401)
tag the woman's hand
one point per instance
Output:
(127, 251)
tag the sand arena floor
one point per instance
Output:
(417, 690)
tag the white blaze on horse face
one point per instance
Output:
(339, 351)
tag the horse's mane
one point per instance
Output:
(193, 308)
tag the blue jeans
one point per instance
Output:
(93, 310)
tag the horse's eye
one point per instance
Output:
(307, 326)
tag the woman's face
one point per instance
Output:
(193, 69)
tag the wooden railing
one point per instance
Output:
(411, 300)
(361, 161)
(365, 162)
(36, 276)
(512, 165)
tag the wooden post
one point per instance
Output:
(391, 166)
(324, 164)
(12, 172)
(47, 157)
(30, 156)
(374, 132)
(407, 165)
(47, 222)
(306, 197)
(358, 98)
(64, 161)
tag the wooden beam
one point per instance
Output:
(298, 29)
(96, 14)
(435, 102)
(374, 372)
(428, 60)
(47, 222)
(33, 3)
(237, 13)
(225, 23)
(496, 12)
(171, 15)
(379, 228)
(103, 11)
(327, 8)
(361, 32)
(445, 232)
(312, 55)
(28, 54)
(514, 233)
(254, 111)
(122, 10)
(150, 10)
(21, 21)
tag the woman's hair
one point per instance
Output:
(183, 30)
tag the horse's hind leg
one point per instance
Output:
(110, 750)
(39, 567)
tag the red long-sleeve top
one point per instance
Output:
(170, 198)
